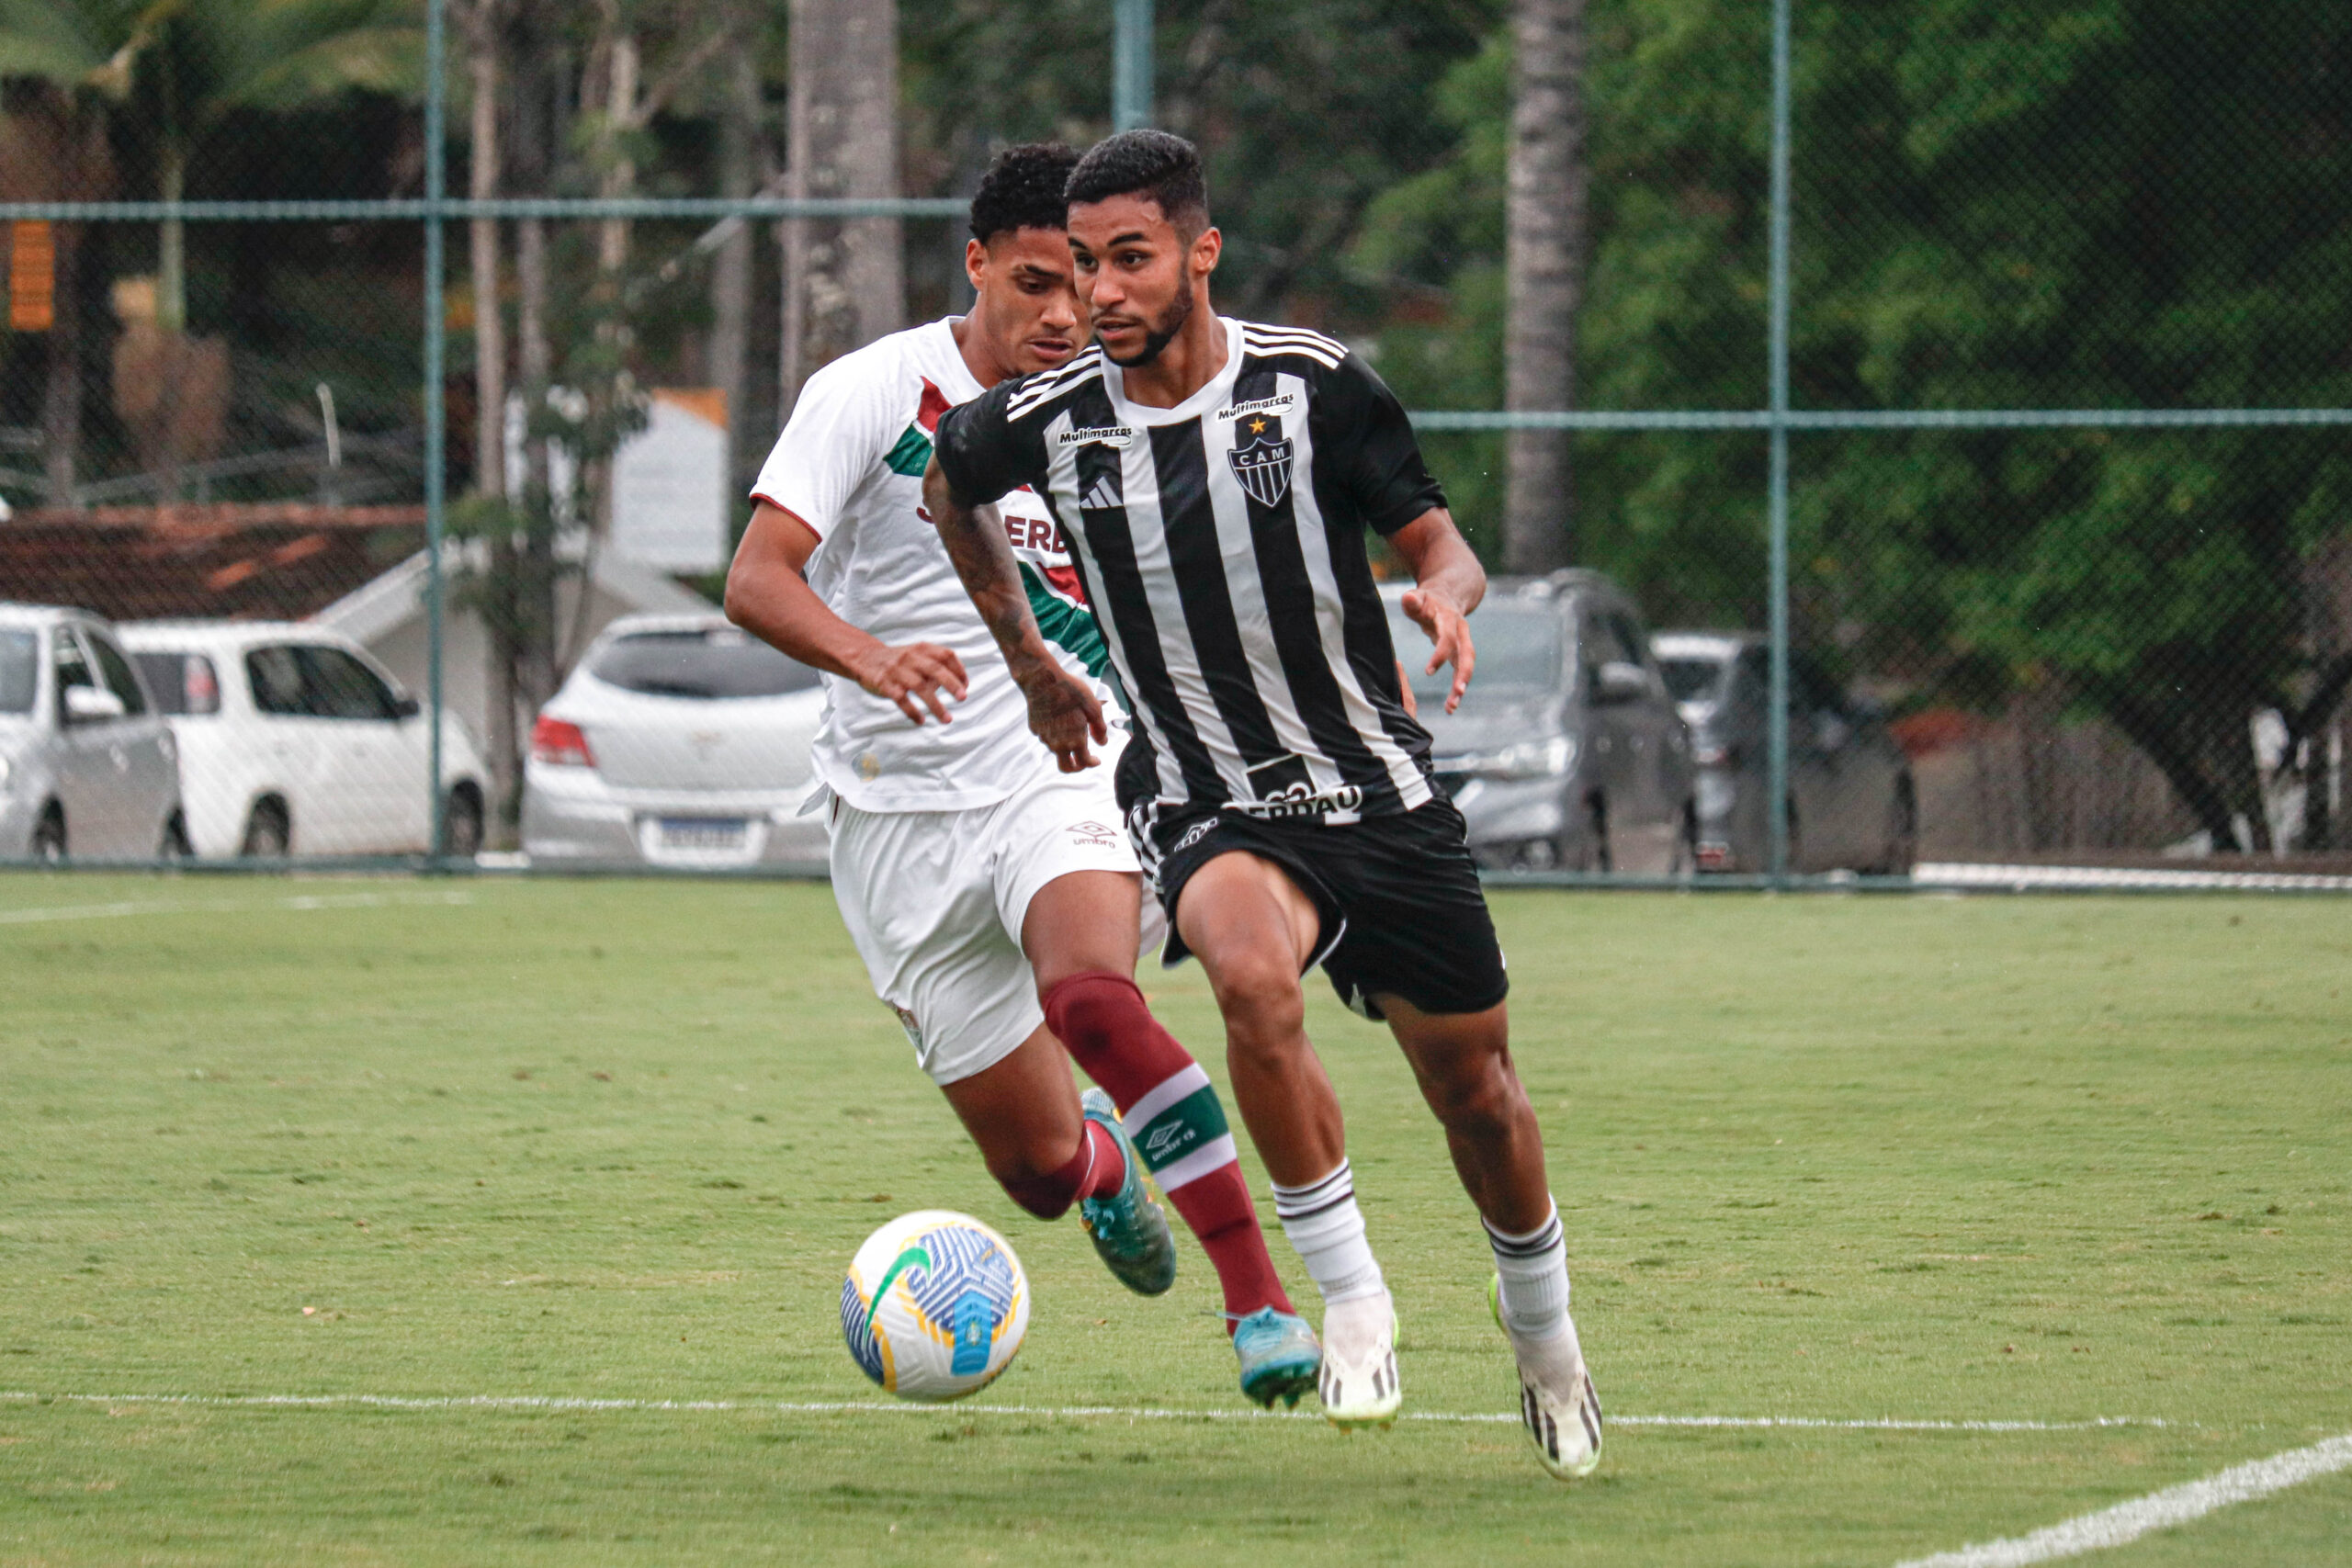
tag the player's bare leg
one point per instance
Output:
(1023, 1113)
(1080, 933)
(1463, 1061)
(1253, 930)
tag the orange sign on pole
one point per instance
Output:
(32, 277)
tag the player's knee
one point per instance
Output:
(1089, 1006)
(1262, 1002)
(1480, 1096)
(1039, 1185)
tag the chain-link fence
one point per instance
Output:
(1958, 454)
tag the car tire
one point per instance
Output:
(1589, 853)
(461, 822)
(270, 834)
(1902, 852)
(175, 845)
(48, 835)
(1685, 864)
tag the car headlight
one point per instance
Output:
(1528, 760)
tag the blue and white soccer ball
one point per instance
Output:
(935, 1306)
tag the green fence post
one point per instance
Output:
(1131, 67)
(435, 415)
(1777, 500)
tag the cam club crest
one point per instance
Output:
(1264, 464)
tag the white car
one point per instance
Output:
(294, 741)
(87, 767)
(679, 740)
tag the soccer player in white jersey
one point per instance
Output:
(994, 899)
(1217, 479)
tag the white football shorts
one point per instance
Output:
(935, 901)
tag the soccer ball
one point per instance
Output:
(934, 1305)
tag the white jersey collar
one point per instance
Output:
(1217, 390)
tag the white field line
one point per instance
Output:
(1132, 1413)
(172, 907)
(1960, 873)
(2157, 1510)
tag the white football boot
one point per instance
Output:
(1358, 1382)
(1556, 1400)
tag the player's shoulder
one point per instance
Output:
(892, 361)
(1260, 341)
(1046, 390)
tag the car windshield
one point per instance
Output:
(1695, 679)
(19, 669)
(706, 663)
(1518, 654)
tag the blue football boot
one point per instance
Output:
(1279, 1356)
(1130, 1233)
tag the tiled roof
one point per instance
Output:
(271, 560)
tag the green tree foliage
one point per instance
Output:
(180, 69)
(2102, 203)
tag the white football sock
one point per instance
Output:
(1534, 1269)
(1327, 1228)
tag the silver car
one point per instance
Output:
(1566, 752)
(1851, 804)
(87, 766)
(679, 740)
(294, 741)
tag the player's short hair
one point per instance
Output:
(1022, 189)
(1151, 163)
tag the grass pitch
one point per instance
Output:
(1998, 1160)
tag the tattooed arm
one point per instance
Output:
(1063, 712)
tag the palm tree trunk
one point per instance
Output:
(843, 283)
(730, 273)
(503, 719)
(170, 251)
(537, 357)
(1544, 260)
(490, 325)
(61, 406)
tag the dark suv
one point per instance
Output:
(1567, 751)
(1851, 804)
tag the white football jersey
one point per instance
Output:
(850, 465)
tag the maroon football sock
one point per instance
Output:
(1177, 1125)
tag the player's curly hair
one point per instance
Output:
(1022, 189)
(1152, 163)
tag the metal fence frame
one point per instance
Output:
(1132, 67)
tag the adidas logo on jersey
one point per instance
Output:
(1099, 495)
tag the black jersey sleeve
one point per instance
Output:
(982, 450)
(1364, 427)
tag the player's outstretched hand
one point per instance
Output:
(1064, 715)
(913, 677)
(1449, 632)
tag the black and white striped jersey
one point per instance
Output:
(1222, 546)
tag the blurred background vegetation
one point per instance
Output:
(2104, 204)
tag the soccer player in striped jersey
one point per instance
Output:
(1215, 477)
(994, 899)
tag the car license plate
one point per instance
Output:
(703, 834)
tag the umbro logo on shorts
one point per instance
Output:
(1094, 833)
(1194, 834)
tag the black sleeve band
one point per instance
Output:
(978, 449)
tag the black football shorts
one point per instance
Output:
(1403, 913)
